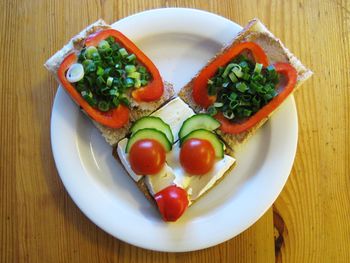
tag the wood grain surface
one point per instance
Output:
(309, 222)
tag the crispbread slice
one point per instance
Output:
(138, 110)
(255, 31)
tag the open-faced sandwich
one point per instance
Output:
(245, 82)
(175, 156)
(110, 78)
(177, 151)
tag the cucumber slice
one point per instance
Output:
(153, 123)
(209, 136)
(149, 134)
(196, 122)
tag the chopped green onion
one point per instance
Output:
(130, 68)
(238, 72)
(115, 101)
(129, 82)
(103, 44)
(212, 110)
(90, 51)
(218, 104)
(137, 83)
(142, 70)
(130, 58)
(241, 86)
(258, 68)
(99, 71)
(228, 68)
(144, 82)
(103, 105)
(95, 56)
(134, 75)
(109, 81)
(123, 52)
(233, 96)
(113, 92)
(229, 114)
(110, 40)
(247, 113)
(233, 77)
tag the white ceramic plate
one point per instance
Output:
(180, 42)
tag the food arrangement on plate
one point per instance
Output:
(176, 148)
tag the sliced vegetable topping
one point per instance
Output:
(114, 118)
(149, 133)
(172, 202)
(147, 157)
(289, 73)
(109, 73)
(153, 123)
(209, 136)
(242, 88)
(104, 74)
(200, 90)
(150, 91)
(198, 121)
(197, 156)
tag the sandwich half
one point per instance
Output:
(110, 78)
(245, 83)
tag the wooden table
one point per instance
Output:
(309, 222)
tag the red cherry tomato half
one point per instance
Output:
(197, 156)
(172, 202)
(147, 157)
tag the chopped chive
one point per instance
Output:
(90, 51)
(137, 83)
(212, 110)
(218, 104)
(123, 52)
(103, 105)
(134, 75)
(258, 68)
(109, 72)
(109, 81)
(233, 77)
(241, 86)
(130, 68)
(131, 57)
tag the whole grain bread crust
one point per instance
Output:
(138, 110)
(255, 31)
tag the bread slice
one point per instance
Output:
(138, 110)
(256, 32)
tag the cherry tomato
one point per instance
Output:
(172, 202)
(147, 156)
(197, 156)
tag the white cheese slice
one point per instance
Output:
(174, 113)
(163, 179)
(125, 160)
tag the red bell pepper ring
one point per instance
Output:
(114, 118)
(172, 202)
(291, 78)
(154, 90)
(200, 85)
